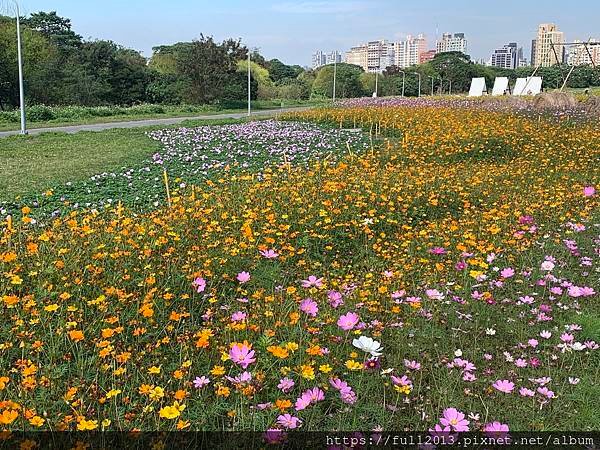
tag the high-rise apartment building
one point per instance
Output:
(320, 58)
(452, 43)
(374, 56)
(507, 57)
(358, 56)
(579, 55)
(408, 52)
(548, 46)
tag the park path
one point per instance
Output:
(149, 122)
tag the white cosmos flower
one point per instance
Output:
(368, 345)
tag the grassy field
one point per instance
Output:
(33, 164)
(64, 116)
(441, 277)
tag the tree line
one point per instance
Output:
(61, 68)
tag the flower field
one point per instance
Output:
(445, 279)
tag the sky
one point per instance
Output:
(292, 30)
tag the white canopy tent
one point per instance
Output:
(478, 87)
(528, 86)
(500, 86)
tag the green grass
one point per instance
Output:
(88, 116)
(32, 164)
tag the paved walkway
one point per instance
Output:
(149, 122)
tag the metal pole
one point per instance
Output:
(441, 86)
(403, 81)
(334, 76)
(21, 84)
(419, 75)
(450, 92)
(431, 85)
(376, 82)
(249, 87)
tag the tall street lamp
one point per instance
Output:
(432, 80)
(376, 83)
(249, 87)
(403, 81)
(20, 62)
(334, 74)
(419, 75)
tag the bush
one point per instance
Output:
(40, 113)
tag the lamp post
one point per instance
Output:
(419, 75)
(450, 91)
(376, 83)
(20, 62)
(441, 85)
(432, 80)
(334, 75)
(249, 87)
(403, 81)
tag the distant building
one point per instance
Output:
(358, 56)
(548, 46)
(319, 59)
(427, 56)
(579, 55)
(452, 43)
(334, 57)
(507, 57)
(408, 52)
(374, 56)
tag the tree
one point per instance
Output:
(280, 71)
(348, 84)
(56, 28)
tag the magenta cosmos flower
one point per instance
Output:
(200, 382)
(242, 355)
(348, 321)
(309, 306)
(312, 281)
(200, 284)
(455, 419)
(243, 277)
(288, 421)
(269, 254)
(496, 429)
(504, 386)
(589, 191)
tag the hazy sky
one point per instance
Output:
(292, 30)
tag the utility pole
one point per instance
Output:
(376, 82)
(20, 61)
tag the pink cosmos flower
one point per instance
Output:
(524, 392)
(504, 386)
(288, 421)
(200, 382)
(455, 419)
(312, 281)
(507, 272)
(348, 321)
(434, 294)
(200, 284)
(274, 436)
(242, 354)
(335, 299)
(238, 316)
(412, 365)
(589, 191)
(496, 429)
(286, 385)
(546, 392)
(269, 254)
(243, 277)
(402, 381)
(437, 251)
(309, 306)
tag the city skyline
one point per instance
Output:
(292, 31)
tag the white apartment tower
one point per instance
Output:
(452, 43)
(408, 52)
